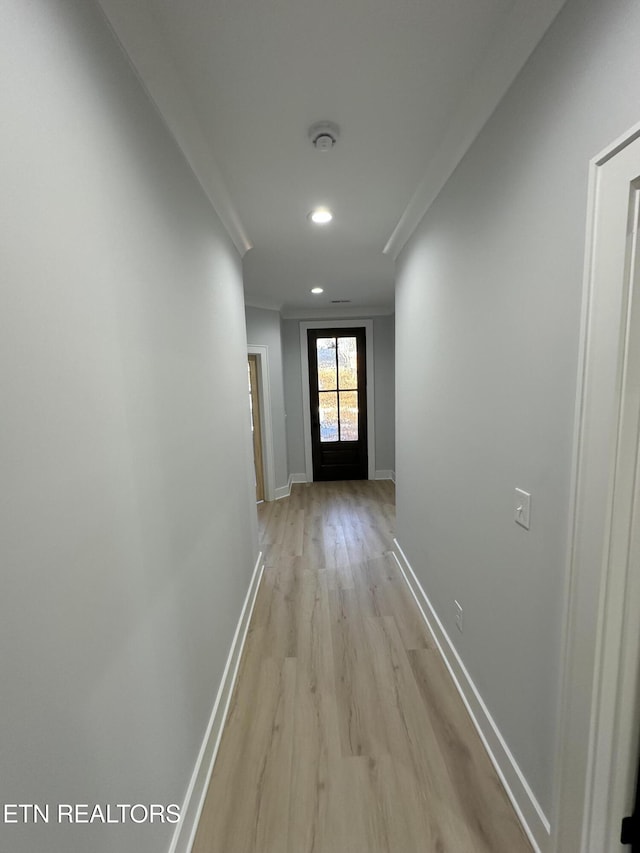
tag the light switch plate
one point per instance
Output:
(523, 508)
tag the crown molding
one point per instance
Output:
(262, 304)
(510, 48)
(335, 313)
(293, 313)
(139, 36)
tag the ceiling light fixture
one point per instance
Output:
(317, 290)
(321, 215)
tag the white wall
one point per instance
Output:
(263, 329)
(487, 305)
(384, 392)
(384, 363)
(293, 395)
(127, 526)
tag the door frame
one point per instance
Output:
(354, 463)
(264, 393)
(256, 426)
(601, 629)
(306, 400)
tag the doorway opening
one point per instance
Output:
(256, 426)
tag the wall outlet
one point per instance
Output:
(458, 608)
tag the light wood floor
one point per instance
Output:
(345, 733)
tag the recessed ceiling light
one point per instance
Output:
(321, 215)
(317, 290)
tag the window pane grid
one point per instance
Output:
(337, 366)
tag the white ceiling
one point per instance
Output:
(409, 82)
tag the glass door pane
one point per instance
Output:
(348, 415)
(347, 364)
(328, 410)
(327, 373)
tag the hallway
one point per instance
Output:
(345, 732)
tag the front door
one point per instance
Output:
(338, 398)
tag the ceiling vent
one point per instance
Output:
(340, 301)
(324, 135)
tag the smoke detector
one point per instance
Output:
(324, 135)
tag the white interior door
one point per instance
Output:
(598, 742)
(620, 644)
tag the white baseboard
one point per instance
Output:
(285, 491)
(524, 802)
(185, 831)
(385, 474)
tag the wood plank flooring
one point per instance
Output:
(345, 733)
